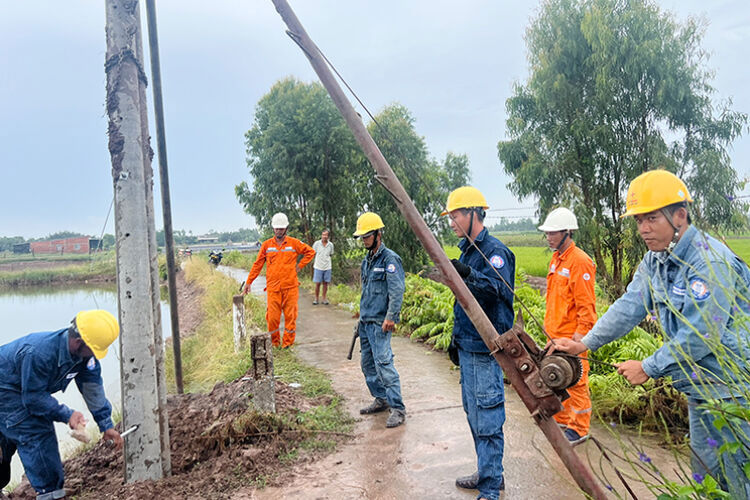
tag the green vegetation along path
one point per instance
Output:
(422, 458)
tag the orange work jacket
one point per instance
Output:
(281, 272)
(571, 302)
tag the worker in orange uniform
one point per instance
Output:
(281, 252)
(571, 311)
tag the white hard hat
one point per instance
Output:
(279, 221)
(560, 219)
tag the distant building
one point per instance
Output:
(79, 245)
(22, 248)
(207, 239)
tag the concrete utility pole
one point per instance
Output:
(141, 350)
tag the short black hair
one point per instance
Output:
(671, 209)
(73, 330)
(481, 214)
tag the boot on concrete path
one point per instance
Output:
(396, 418)
(376, 406)
(469, 482)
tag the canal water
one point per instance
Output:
(48, 309)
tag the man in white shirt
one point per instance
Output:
(322, 266)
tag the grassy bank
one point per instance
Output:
(100, 267)
(208, 355)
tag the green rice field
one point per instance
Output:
(532, 260)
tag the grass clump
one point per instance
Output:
(287, 367)
(235, 258)
(340, 294)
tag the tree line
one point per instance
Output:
(304, 161)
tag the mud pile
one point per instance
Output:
(217, 445)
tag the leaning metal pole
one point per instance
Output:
(580, 473)
(166, 203)
(142, 387)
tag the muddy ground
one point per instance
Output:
(217, 446)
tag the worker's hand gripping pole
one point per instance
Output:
(582, 475)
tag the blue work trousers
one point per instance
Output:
(483, 398)
(705, 440)
(36, 442)
(377, 364)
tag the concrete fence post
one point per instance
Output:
(238, 309)
(264, 390)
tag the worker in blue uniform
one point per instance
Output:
(697, 289)
(487, 267)
(379, 309)
(33, 368)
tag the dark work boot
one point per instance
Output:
(469, 482)
(396, 418)
(4, 473)
(376, 406)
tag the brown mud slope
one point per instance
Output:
(190, 312)
(218, 446)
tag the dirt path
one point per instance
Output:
(421, 458)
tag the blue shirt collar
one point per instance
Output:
(464, 244)
(379, 251)
(680, 250)
(63, 354)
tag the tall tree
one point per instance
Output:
(302, 159)
(617, 88)
(427, 182)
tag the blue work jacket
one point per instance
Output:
(382, 286)
(36, 366)
(698, 293)
(494, 296)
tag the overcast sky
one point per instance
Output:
(452, 64)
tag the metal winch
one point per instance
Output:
(560, 371)
(547, 376)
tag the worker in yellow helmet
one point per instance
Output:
(697, 289)
(33, 368)
(379, 310)
(487, 267)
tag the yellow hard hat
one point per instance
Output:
(653, 190)
(465, 197)
(98, 328)
(368, 221)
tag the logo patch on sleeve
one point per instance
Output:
(91, 364)
(700, 289)
(497, 262)
(586, 276)
(391, 268)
